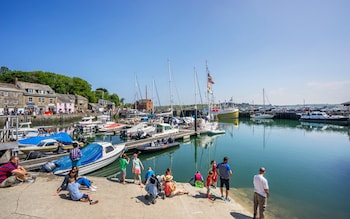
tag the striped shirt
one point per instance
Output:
(6, 170)
(75, 154)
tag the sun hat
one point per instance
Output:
(168, 178)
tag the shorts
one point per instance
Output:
(123, 173)
(225, 182)
(85, 196)
(76, 163)
(10, 181)
(137, 171)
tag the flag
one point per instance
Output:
(210, 79)
(209, 88)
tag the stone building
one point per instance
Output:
(37, 98)
(11, 99)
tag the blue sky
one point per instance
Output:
(298, 51)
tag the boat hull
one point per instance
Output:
(148, 149)
(97, 164)
(336, 121)
(226, 114)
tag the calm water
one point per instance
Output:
(308, 167)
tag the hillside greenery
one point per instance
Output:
(61, 84)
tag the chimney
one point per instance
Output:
(16, 81)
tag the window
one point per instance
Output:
(5, 94)
(30, 99)
(30, 91)
(15, 102)
(15, 94)
(6, 102)
(51, 100)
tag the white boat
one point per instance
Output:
(24, 131)
(262, 114)
(88, 121)
(141, 128)
(212, 128)
(164, 129)
(95, 156)
(322, 117)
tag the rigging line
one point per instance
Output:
(199, 88)
(155, 86)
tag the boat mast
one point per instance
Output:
(170, 89)
(195, 98)
(208, 90)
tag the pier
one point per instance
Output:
(35, 164)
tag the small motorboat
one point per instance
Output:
(158, 145)
(95, 156)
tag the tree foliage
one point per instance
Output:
(60, 84)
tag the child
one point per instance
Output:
(198, 180)
(215, 174)
(136, 168)
(209, 183)
(124, 161)
(76, 195)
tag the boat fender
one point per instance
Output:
(49, 166)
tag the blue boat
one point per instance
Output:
(95, 156)
(62, 137)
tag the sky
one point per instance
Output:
(297, 51)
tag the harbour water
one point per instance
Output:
(307, 165)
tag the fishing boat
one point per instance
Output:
(158, 145)
(223, 110)
(322, 117)
(95, 156)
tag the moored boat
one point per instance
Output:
(322, 117)
(158, 145)
(46, 145)
(95, 156)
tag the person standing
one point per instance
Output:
(124, 160)
(261, 193)
(75, 155)
(215, 173)
(136, 168)
(225, 173)
(208, 183)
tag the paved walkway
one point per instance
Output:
(38, 200)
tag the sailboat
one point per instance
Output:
(262, 115)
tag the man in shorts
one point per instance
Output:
(225, 173)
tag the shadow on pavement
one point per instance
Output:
(240, 216)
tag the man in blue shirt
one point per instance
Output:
(225, 173)
(149, 173)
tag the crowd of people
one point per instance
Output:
(11, 174)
